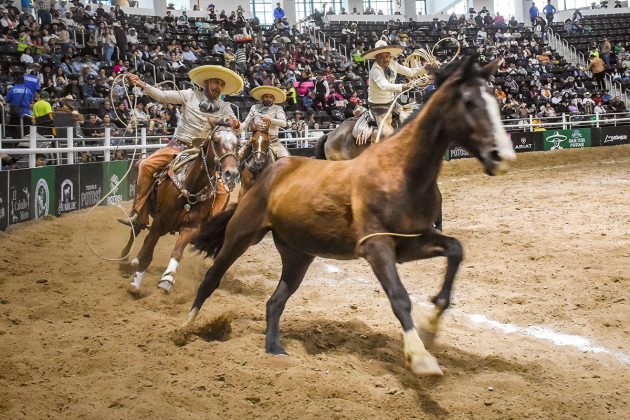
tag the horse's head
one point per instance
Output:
(260, 150)
(472, 117)
(224, 146)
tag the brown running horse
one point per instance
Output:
(185, 200)
(256, 162)
(350, 209)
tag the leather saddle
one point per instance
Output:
(180, 160)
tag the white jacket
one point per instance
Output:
(382, 90)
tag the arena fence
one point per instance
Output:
(34, 193)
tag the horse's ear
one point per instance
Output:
(465, 70)
(491, 68)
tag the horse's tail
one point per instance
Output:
(319, 149)
(210, 239)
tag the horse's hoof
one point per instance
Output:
(426, 365)
(166, 286)
(277, 351)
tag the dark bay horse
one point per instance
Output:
(256, 162)
(186, 199)
(339, 144)
(388, 191)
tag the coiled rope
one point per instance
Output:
(420, 59)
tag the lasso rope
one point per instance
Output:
(133, 122)
(401, 235)
(421, 80)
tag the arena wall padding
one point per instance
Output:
(90, 184)
(576, 138)
(43, 197)
(20, 196)
(67, 189)
(4, 200)
(611, 136)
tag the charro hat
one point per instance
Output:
(233, 82)
(382, 47)
(278, 94)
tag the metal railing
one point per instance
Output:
(67, 150)
(566, 121)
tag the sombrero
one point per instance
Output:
(233, 82)
(382, 47)
(278, 94)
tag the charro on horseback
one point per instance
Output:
(201, 110)
(267, 117)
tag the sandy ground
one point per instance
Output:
(547, 252)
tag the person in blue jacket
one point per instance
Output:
(533, 13)
(19, 97)
(278, 12)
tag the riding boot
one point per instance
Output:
(135, 220)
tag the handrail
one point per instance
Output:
(171, 74)
(147, 63)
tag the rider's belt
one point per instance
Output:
(179, 144)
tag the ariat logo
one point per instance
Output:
(523, 145)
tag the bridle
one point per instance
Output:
(210, 189)
(218, 171)
(250, 162)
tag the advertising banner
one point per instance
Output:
(113, 173)
(4, 200)
(457, 152)
(20, 196)
(90, 184)
(131, 180)
(567, 139)
(529, 141)
(66, 188)
(43, 190)
(611, 136)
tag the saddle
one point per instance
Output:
(180, 160)
(364, 130)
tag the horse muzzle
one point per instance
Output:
(230, 178)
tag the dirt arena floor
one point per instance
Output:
(539, 328)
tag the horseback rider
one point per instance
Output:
(201, 109)
(266, 116)
(382, 89)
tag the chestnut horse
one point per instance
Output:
(379, 206)
(256, 162)
(183, 201)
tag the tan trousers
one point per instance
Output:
(379, 111)
(153, 163)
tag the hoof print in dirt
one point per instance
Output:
(218, 329)
(137, 294)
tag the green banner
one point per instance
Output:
(567, 139)
(43, 190)
(113, 172)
